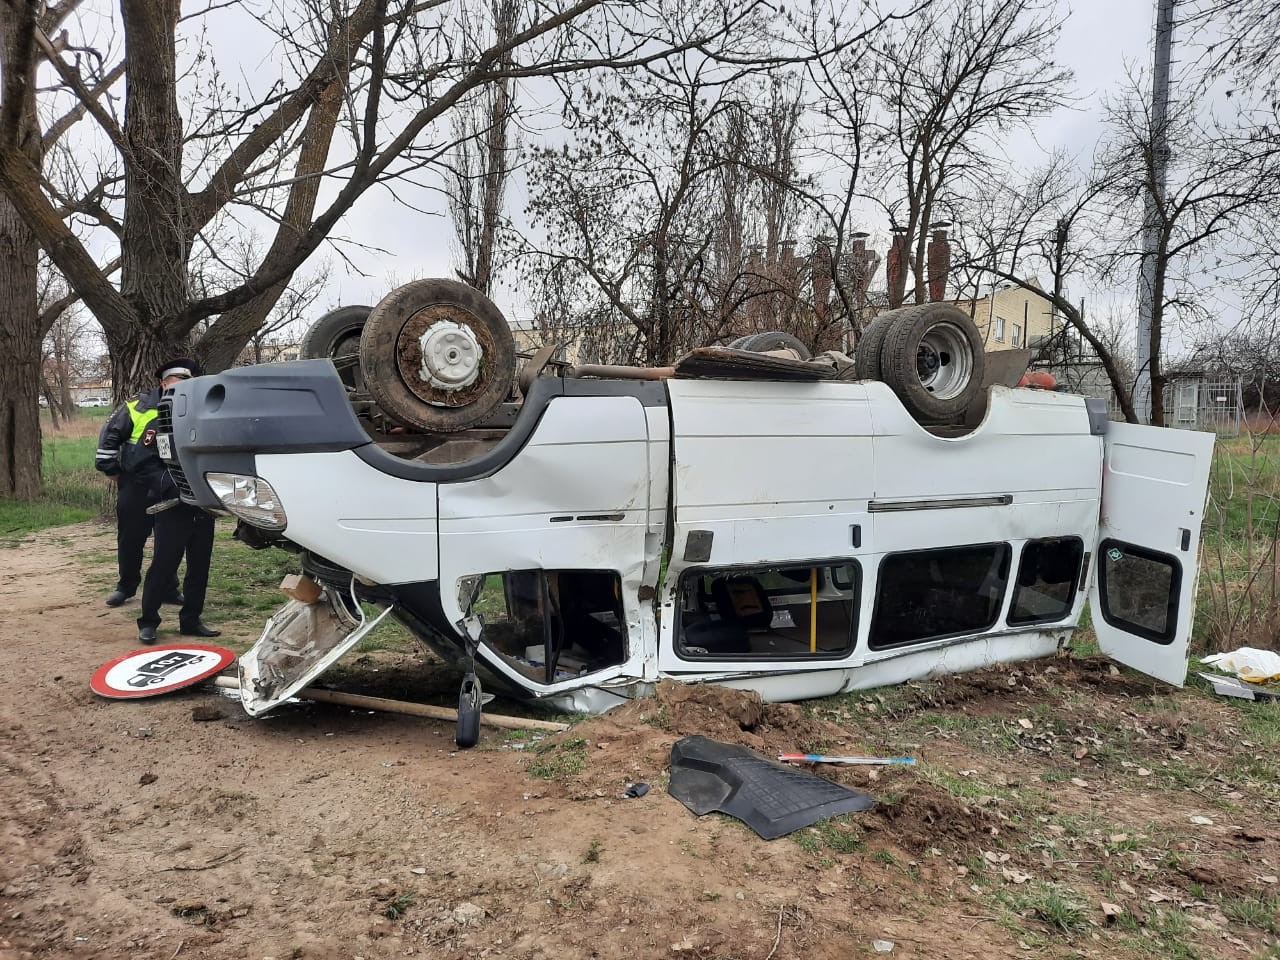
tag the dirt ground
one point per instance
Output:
(1044, 791)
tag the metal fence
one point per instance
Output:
(1193, 404)
(1212, 405)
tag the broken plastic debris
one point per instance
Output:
(1200, 821)
(882, 946)
(637, 790)
(1231, 687)
(1248, 663)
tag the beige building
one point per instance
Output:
(1012, 317)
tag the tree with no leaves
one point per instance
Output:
(383, 73)
(949, 84)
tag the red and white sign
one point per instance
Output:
(155, 670)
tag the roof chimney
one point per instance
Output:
(939, 254)
(893, 269)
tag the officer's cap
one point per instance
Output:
(178, 367)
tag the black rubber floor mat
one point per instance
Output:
(771, 799)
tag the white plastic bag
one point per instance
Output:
(1248, 663)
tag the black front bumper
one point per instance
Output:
(219, 423)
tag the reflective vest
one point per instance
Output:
(140, 419)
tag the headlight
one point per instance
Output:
(249, 498)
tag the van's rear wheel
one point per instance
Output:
(336, 337)
(437, 355)
(932, 358)
(866, 359)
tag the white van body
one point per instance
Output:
(797, 539)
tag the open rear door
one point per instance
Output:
(1154, 484)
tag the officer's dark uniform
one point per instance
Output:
(125, 444)
(178, 529)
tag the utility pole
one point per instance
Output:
(1152, 205)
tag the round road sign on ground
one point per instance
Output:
(155, 670)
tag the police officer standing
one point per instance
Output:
(179, 529)
(126, 445)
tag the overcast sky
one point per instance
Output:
(1102, 41)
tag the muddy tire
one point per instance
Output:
(437, 355)
(866, 359)
(467, 732)
(932, 358)
(772, 340)
(336, 337)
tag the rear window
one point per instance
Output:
(1139, 590)
(929, 594)
(1048, 573)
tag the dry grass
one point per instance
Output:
(1240, 560)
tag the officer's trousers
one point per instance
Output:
(180, 529)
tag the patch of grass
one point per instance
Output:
(885, 857)
(558, 760)
(73, 491)
(893, 701)
(593, 851)
(1061, 910)
(963, 788)
(1260, 912)
(659, 718)
(984, 732)
(244, 584)
(398, 905)
(837, 834)
(1169, 928)
(1130, 842)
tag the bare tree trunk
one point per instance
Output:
(21, 341)
(495, 177)
(154, 249)
(1156, 371)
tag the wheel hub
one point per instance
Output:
(927, 361)
(944, 360)
(451, 356)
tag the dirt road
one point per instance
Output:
(131, 829)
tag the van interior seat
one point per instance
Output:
(741, 599)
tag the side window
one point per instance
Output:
(551, 625)
(1139, 590)
(1048, 573)
(769, 613)
(929, 594)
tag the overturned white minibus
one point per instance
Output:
(795, 538)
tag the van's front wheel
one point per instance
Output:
(467, 732)
(437, 355)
